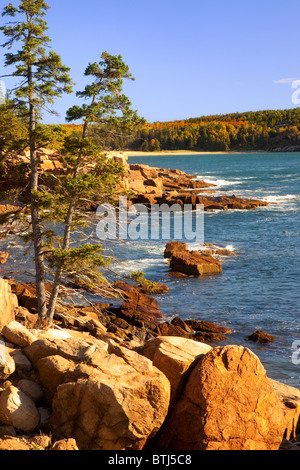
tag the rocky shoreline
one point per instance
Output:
(107, 377)
(159, 186)
(144, 185)
(122, 378)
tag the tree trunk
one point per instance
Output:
(59, 270)
(36, 225)
(66, 242)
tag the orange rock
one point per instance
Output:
(174, 357)
(174, 247)
(8, 303)
(195, 264)
(3, 257)
(228, 404)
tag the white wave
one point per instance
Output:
(202, 246)
(230, 247)
(281, 198)
(219, 181)
(15, 246)
(140, 264)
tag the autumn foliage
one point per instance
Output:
(261, 130)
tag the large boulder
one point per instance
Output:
(289, 398)
(8, 303)
(228, 404)
(18, 410)
(73, 348)
(7, 363)
(104, 396)
(18, 334)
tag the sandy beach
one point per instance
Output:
(131, 153)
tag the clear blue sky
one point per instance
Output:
(189, 57)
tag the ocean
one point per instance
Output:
(259, 288)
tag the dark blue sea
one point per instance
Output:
(259, 289)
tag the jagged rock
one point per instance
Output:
(140, 309)
(24, 316)
(26, 294)
(73, 348)
(195, 264)
(10, 206)
(228, 404)
(52, 372)
(157, 186)
(14, 443)
(168, 329)
(211, 249)
(174, 247)
(229, 202)
(208, 337)
(260, 337)
(207, 326)
(22, 364)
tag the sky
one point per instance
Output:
(189, 58)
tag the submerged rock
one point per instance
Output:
(260, 337)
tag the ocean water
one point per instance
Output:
(259, 288)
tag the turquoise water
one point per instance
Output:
(259, 288)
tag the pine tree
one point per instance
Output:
(43, 77)
(92, 176)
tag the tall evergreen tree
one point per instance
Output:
(43, 78)
(92, 175)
